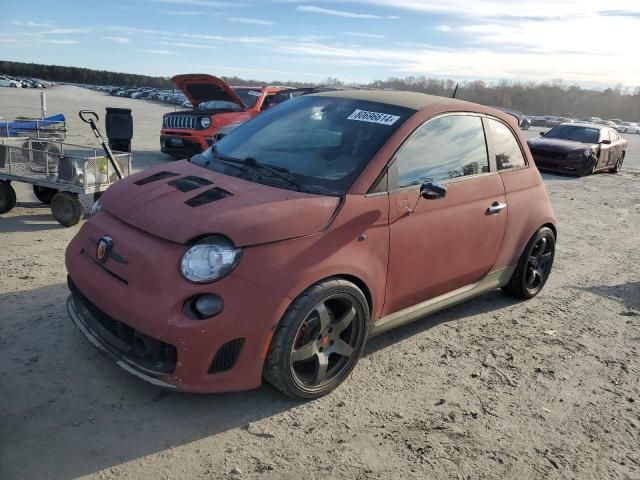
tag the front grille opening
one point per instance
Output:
(208, 196)
(226, 356)
(156, 177)
(186, 184)
(150, 354)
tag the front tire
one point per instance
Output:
(534, 266)
(319, 340)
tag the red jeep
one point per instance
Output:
(215, 104)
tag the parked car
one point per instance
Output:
(304, 232)
(628, 127)
(579, 149)
(551, 121)
(523, 122)
(537, 121)
(9, 82)
(215, 104)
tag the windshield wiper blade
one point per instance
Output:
(279, 172)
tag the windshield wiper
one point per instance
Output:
(279, 172)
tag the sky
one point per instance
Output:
(586, 42)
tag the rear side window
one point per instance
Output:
(444, 148)
(508, 153)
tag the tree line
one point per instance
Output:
(546, 98)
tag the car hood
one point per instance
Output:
(558, 144)
(183, 201)
(200, 87)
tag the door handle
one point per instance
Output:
(496, 207)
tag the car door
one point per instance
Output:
(439, 245)
(605, 148)
(615, 148)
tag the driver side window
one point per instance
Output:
(444, 148)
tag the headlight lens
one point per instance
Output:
(97, 206)
(210, 259)
(205, 122)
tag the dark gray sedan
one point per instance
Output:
(579, 149)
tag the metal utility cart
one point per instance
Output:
(59, 172)
(53, 127)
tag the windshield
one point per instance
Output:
(249, 96)
(574, 133)
(320, 143)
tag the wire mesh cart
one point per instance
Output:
(53, 127)
(59, 172)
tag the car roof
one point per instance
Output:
(414, 100)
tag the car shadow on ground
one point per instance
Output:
(29, 222)
(628, 294)
(67, 401)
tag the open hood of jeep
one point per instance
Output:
(201, 87)
(182, 201)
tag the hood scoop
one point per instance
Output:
(156, 177)
(212, 195)
(186, 184)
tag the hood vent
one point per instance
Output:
(156, 177)
(189, 183)
(208, 196)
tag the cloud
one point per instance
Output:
(341, 13)
(31, 24)
(159, 52)
(364, 35)
(60, 42)
(66, 31)
(117, 39)
(182, 13)
(199, 3)
(253, 21)
(443, 28)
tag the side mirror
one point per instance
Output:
(606, 142)
(432, 190)
(542, 134)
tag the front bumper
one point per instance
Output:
(576, 166)
(140, 290)
(183, 146)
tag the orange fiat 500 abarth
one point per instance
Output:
(279, 251)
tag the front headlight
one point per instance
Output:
(205, 122)
(210, 259)
(96, 208)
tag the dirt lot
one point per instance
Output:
(493, 388)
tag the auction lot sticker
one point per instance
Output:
(373, 117)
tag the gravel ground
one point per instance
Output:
(493, 388)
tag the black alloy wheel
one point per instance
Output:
(534, 266)
(319, 340)
(618, 166)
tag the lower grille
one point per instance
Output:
(548, 154)
(149, 354)
(118, 329)
(226, 356)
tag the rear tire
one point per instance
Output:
(44, 194)
(319, 340)
(534, 266)
(7, 197)
(66, 208)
